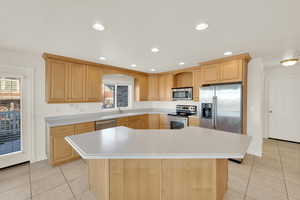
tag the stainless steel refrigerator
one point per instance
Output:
(221, 107)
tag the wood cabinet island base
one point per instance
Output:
(158, 179)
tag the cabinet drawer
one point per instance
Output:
(62, 129)
(84, 127)
(123, 119)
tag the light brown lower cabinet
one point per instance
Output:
(158, 179)
(154, 121)
(60, 151)
(164, 122)
(194, 121)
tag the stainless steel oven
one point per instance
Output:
(182, 93)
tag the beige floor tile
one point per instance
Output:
(86, 196)
(18, 193)
(41, 169)
(265, 181)
(61, 192)
(293, 189)
(233, 195)
(14, 171)
(79, 186)
(74, 169)
(260, 192)
(237, 183)
(45, 183)
(14, 177)
(288, 145)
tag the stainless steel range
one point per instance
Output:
(179, 119)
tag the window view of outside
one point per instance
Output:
(109, 96)
(122, 96)
(10, 129)
(116, 96)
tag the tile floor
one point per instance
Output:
(275, 176)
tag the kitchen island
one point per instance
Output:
(182, 164)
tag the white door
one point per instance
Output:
(284, 109)
(15, 117)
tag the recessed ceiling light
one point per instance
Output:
(102, 58)
(181, 63)
(289, 62)
(201, 27)
(155, 50)
(133, 65)
(227, 53)
(153, 70)
(98, 27)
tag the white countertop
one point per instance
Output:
(88, 117)
(191, 142)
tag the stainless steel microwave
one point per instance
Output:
(182, 93)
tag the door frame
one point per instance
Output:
(26, 76)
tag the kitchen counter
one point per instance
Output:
(189, 163)
(190, 142)
(80, 118)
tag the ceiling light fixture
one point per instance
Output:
(289, 62)
(155, 50)
(201, 27)
(98, 27)
(133, 65)
(181, 63)
(102, 58)
(153, 70)
(227, 53)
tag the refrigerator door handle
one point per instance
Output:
(215, 112)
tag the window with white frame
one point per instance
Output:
(116, 95)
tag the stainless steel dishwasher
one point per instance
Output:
(103, 124)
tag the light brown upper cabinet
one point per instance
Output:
(72, 82)
(141, 88)
(165, 84)
(223, 72)
(196, 84)
(210, 74)
(183, 79)
(77, 80)
(93, 92)
(56, 81)
(153, 93)
(231, 71)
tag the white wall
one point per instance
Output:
(255, 117)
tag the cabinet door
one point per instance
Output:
(77, 79)
(164, 122)
(93, 91)
(194, 121)
(56, 81)
(60, 150)
(169, 86)
(154, 121)
(153, 94)
(196, 84)
(141, 88)
(210, 74)
(161, 87)
(231, 71)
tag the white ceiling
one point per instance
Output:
(264, 28)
